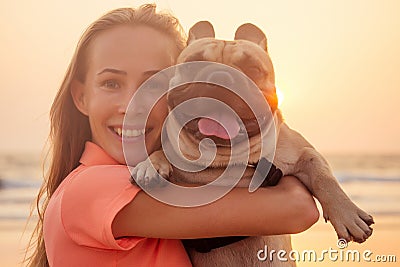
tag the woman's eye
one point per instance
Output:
(157, 86)
(111, 84)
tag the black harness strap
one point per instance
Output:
(204, 245)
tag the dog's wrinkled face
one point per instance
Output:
(248, 54)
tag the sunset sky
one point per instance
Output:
(336, 62)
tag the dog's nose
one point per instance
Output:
(221, 77)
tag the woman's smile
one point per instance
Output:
(129, 134)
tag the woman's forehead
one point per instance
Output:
(127, 46)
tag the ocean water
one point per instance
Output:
(371, 181)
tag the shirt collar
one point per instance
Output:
(95, 155)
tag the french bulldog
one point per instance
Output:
(294, 155)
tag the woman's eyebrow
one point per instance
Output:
(150, 72)
(112, 71)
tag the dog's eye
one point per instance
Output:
(253, 72)
(156, 84)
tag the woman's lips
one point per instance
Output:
(126, 133)
(129, 134)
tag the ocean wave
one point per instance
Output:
(19, 183)
(343, 178)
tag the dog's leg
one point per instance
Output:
(303, 161)
(349, 221)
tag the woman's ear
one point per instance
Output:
(78, 96)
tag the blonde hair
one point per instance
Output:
(69, 129)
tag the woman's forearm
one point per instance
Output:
(286, 208)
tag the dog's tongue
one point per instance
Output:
(212, 127)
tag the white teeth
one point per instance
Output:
(129, 133)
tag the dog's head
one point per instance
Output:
(247, 53)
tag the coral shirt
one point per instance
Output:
(77, 222)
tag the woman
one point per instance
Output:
(91, 214)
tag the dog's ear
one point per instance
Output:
(201, 29)
(252, 33)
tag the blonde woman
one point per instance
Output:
(89, 212)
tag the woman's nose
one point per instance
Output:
(123, 104)
(130, 102)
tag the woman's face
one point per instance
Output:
(119, 61)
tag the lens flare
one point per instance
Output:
(280, 95)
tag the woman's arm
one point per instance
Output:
(284, 209)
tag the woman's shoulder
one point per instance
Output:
(96, 176)
(100, 184)
(95, 181)
(101, 170)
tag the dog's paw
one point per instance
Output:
(150, 175)
(350, 222)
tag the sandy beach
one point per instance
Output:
(384, 241)
(13, 241)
